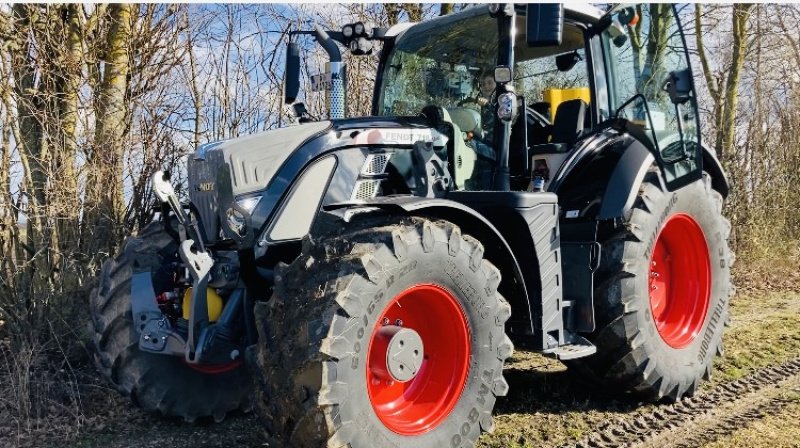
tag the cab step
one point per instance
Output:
(578, 348)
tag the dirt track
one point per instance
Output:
(752, 400)
(708, 416)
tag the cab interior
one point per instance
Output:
(552, 85)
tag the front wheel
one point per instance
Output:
(157, 383)
(391, 334)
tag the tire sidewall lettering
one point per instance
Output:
(697, 354)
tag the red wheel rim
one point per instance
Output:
(680, 280)
(420, 404)
(214, 369)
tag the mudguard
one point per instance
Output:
(712, 166)
(622, 179)
(623, 183)
(496, 247)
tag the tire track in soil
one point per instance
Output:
(705, 417)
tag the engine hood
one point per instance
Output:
(255, 159)
(265, 165)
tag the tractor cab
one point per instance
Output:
(591, 72)
(549, 124)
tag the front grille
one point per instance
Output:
(203, 192)
(207, 206)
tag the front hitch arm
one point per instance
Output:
(198, 261)
(199, 264)
(166, 194)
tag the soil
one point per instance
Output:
(752, 400)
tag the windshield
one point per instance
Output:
(439, 62)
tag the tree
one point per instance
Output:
(724, 90)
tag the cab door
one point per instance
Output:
(651, 88)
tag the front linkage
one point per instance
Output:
(204, 343)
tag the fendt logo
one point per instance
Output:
(205, 186)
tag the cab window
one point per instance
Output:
(642, 47)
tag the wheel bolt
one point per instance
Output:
(385, 321)
(398, 322)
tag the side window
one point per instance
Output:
(642, 48)
(550, 80)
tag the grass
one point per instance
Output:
(780, 430)
(550, 408)
(765, 331)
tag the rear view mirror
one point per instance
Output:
(545, 24)
(679, 86)
(291, 76)
(565, 62)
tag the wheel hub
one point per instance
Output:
(404, 353)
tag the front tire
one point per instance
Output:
(328, 333)
(157, 383)
(662, 293)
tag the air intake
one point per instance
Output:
(365, 189)
(375, 164)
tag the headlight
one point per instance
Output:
(237, 221)
(347, 31)
(358, 28)
(249, 204)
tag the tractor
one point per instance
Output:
(532, 176)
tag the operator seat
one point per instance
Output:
(567, 127)
(462, 121)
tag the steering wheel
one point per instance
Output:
(538, 118)
(468, 100)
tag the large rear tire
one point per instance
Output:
(662, 293)
(155, 382)
(332, 328)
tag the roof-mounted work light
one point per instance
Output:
(347, 31)
(357, 38)
(358, 28)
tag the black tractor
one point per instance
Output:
(532, 177)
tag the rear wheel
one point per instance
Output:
(662, 293)
(391, 334)
(160, 383)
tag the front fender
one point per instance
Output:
(496, 248)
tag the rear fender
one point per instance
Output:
(624, 180)
(711, 165)
(616, 168)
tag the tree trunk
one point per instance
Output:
(741, 12)
(105, 207)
